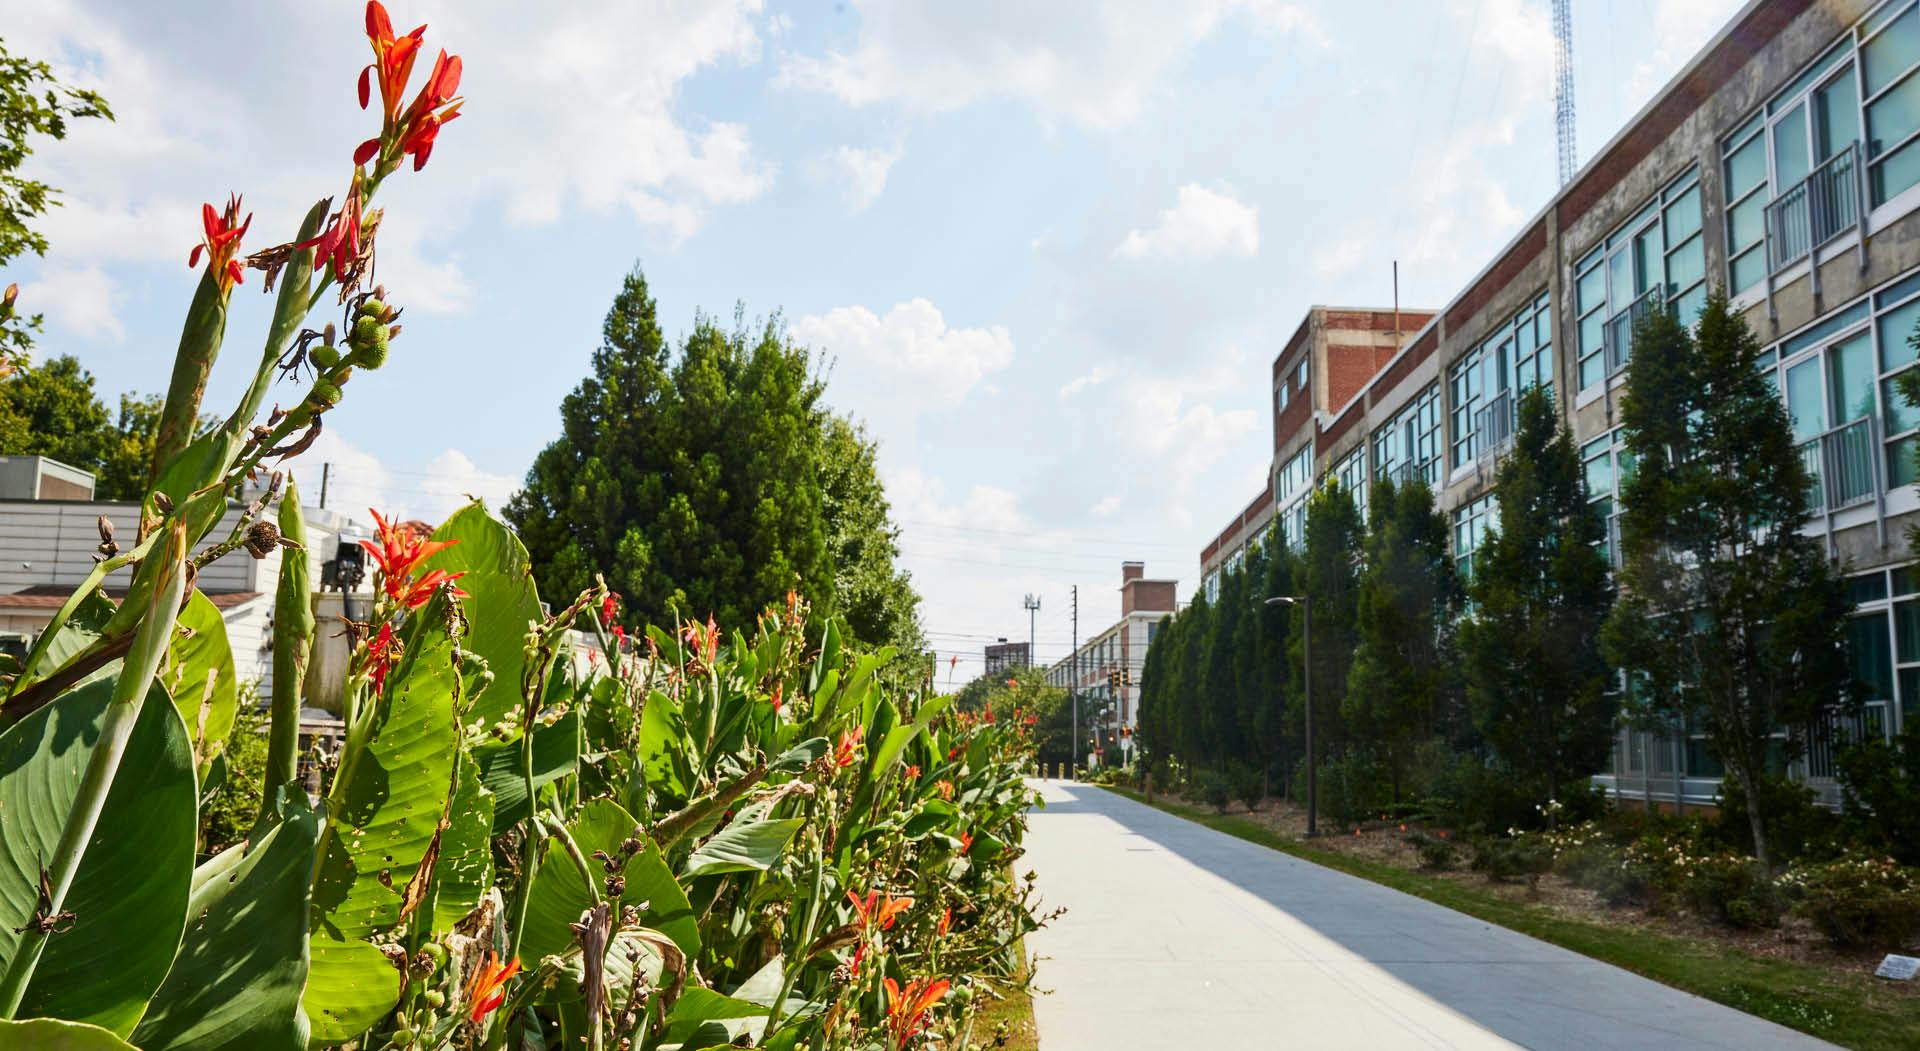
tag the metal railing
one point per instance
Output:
(1617, 336)
(1815, 210)
(1840, 466)
(1614, 554)
(1493, 425)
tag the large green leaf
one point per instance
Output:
(129, 895)
(384, 816)
(81, 630)
(665, 752)
(500, 580)
(743, 846)
(555, 749)
(51, 1034)
(465, 869)
(559, 894)
(199, 674)
(237, 982)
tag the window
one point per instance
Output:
(1606, 465)
(1408, 446)
(1486, 384)
(1280, 400)
(1840, 382)
(1792, 169)
(1294, 476)
(1655, 258)
(1293, 523)
(1301, 372)
(1351, 473)
(1471, 523)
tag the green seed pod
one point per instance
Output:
(403, 1038)
(324, 357)
(435, 998)
(367, 329)
(371, 355)
(437, 952)
(325, 395)
(373, 308)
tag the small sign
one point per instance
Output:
(1899, 968)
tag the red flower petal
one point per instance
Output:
(379, 27)
(193, 257)
(210, 221)
(366, 86)
(367, 151)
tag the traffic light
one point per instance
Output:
(1126, 676)
(1113, 680)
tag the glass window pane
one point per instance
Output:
(1850, 375)
(1619, 281)
(1790, 148)
(1897, 333)
(1836, 117)
(1906, 623)
(1900, 414)
(1683, 216)
(1701, 761)
(1893, 52)
(1805, 404)
(1686, 265)
(1599, 475)
(1747, 168)
(1591, 328)
(1748, 269)
(1872, 654)
(1897, 171)
(1892, 116)
(1590, 369)
(1747, 222)
(1901, 470)
(1688, 306)
(1591, 289)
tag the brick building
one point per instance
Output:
(1119, 650)
(1783, 164)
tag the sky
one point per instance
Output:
(1045, 252)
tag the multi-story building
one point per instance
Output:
(1783, 164)
(1004, 656)
(1105, 669)
(1329, 360)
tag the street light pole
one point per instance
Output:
(1306, 683)
(1032, 602)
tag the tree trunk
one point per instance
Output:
(1749, 784)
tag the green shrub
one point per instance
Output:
(1732, 889)
(1212, 788)
(1248, 785)
(1880, 790)
(1436, 853)
(1468, 793)
(1859, 903)
(1795, 826)
(1352, 786)
(1503, 859)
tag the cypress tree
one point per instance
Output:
(1732, 621)
(1536, 680)
(1329, 575)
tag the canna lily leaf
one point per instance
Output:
(555, 753)
(499, 579)
(199, 673)
(237, 982)
(559, 894)
(385, 816)
(743, 846)
(51, 1034)
(129, 896)
(465, 869)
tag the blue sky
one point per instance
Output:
(1049, 248)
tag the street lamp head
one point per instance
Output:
(1285, 600)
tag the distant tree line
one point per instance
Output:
(1489, 683)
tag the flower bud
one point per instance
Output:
(373, 307)
(366, 330)
(371, 355)
(324, 357)
(325, 395)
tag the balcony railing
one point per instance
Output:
(1493, 425)
(1815, 210)
(1840, 466)
(1618, 333)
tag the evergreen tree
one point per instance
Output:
(1266, 683)
(710, 482)
(1220, 691)
(1535, 676)
(1732, 621)
(1403, 678)
(1329, 573)
(52, 409)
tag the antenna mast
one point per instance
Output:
(1563, 86)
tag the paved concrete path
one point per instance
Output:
(1180, 938)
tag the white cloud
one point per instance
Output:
(1107, 506)
(79, 298)
(1160, 419)
(911, 340)
(864, 172)
(1090, 61)
(1202, 224)
(358, 479)
(1079, 383)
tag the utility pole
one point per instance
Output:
(1032, 604)
(326, 469)
(1073, 684)
(1305, 602)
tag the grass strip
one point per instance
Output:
(1853, 1010)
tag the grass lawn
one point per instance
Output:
(1014, 1010)
(1851, 1009)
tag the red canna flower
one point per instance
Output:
(437, 104)
(966, 842)
(380, 658)
(223, 231)
(779, 688)
(435, 107)
(912, 772)
(392, 60)
(398, 549)
(876, 911)
(843, 753)
(609, 607)
(1032, 719)
(946, 921)
(619, 637)
(486, 989)
(907, 1008)
(339, 244)
(859, 955)
(944, 787)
